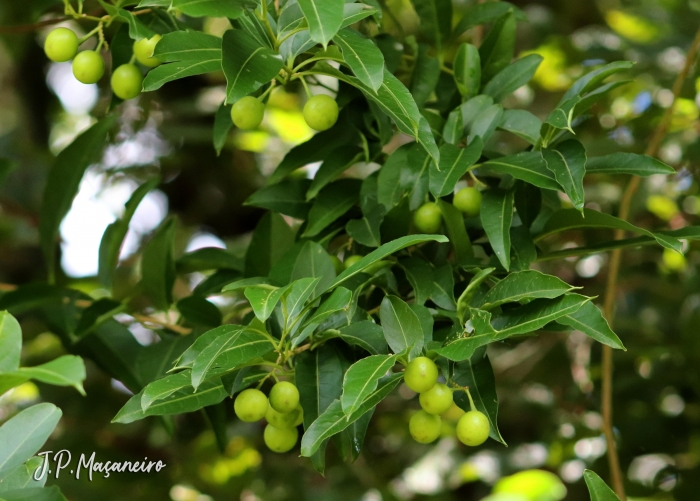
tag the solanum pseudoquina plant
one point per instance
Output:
(349, 287)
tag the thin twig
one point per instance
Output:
(614, 269)
(150, 320)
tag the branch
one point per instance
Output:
(145, 319)
(614, 269)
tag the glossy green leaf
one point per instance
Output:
(567, 160)
(24, 434)
(435, 20)
(222, 127)
(467, 70)
(496, 218)
(420, 274)
(158, 266)
(627, 163)
(485, 123)
(402, 328)
(339, 301)
(522, 286)
(512, 77)
(237, 381)
(366, 231)
(454, 163)
(443, 287)
(68, 370)
(523, 124)
(298, 293)
(593, 79)
(390, 190)
(263, 301)
(10, 342)
(528, 166)
(355, 12)
(364, 58)
(465, 299)
(208, 258)
(497, 49)
(212, 8)
(453, 132)
(272, 239)
(366, 335)
(589, 320)
(22, 478)
(164, 387)
(331, 203)
(337, 162)
(312, 261)
(286, 197)
(562, 116)
(188, 357)
(485, 12)
(426, 75)
(473, 108)
(324, 17)
(361, 380)
(597, 488)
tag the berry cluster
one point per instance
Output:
(281, 411)
(88, 66)
(320, 112)
(435, 399)
(428, 217)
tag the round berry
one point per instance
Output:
(126, 81)
(247, 113)
(250, 405)
(279, 420)
(321, 112)
(437, 400)
(468, 200)
(284, 397)
(280, 439)
(428, 218)
(350, 260)
(473, 428)
(421, 374)
(61, 45)
(424, 427)
(88, 67)
(143, 50)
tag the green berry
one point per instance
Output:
(126, 81)
(88, 67)
(143, 50)
(428, 218)
(284, 397)
(350, 260)
(437, 400)
(468, 200)
(424, 427)
(61, 45)
(421, 374)
(279, 420)
(321, 112)
(473, 428)
(250, 405)
(247, 113)
(280, 439)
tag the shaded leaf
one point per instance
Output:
(496, 217)
(402, 329)
(454, 163)
(568, 163)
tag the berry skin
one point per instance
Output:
(247, 113)
(281, 421)
(127, 81)
(421, 374)
(437, 400)
(321, 112)
(350, 260)
(280, 440)
(88, 67)
(284, 397)
(250, 405)
(473, 428)
(428, 218)
(61, 45)
(468, 200)
(424, 427)
(143, 50)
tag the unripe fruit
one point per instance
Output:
(250, 405)
(143, 50)
(428, 218)
(284, 397)
(424, 427)
(468, 200)
(473, 428)
(247, 113)
(437, 399)
(350, 260)
(321, 112)
(279, 420)
(61, 45)
(421, 374)
(88, 67)
(127, 81)
(280, 440)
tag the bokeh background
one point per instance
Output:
(548, 386)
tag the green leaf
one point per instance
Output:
(64, 180)
(467, 70)
(627, 163)
(22, 478)
(137, 30)
(590, 81)
(468, 294)
(443, 288)
(208, 258)
(361, 380)
(261, 282)
(597, 488)
(497, 49)
(496, 218)
(589, 320)
(287, 197)
(10, 342)
(454, 163)
(523, 124)
(486, 122)
(264, 301)
(333, 420)
(113, 237)
(562, 116)
(512, 77)
(420, 275)
(366, 230)
(456, 231)
(402, 328)
(354, 12)
(522, 286)
(158, 266)
(568, 163)
(426, 75)
(164, 387)
(476, 374)
(68, 370)
(24, 434)
(367, 335)
(304, 260)
(246, 64)
(485, 12)
(187, 358)
(390, 190)
(186, 53)
(571, 219)
(339, 301)
(453, 132)
(210, 8)
(324, 17)
(222, 127)
(272, 238)
(332, 202)
(337, 162)
(384, 251)
(180, 402)
(528, 166)
(435, 20)
(473, 108)
(364, 58)
(240, 380)
(298, 293)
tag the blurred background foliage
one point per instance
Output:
(548, 386)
